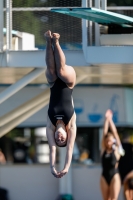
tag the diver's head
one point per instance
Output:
(60, 134)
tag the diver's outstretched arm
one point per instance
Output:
(52, 146)
(70, 146)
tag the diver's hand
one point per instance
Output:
(63, 172)
(54, 172)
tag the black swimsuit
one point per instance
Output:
(60, 105)
(128, 159)
(109, 166)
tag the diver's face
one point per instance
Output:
(109, 142)
(61, 137)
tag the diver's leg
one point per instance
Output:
(50, 62)
(64, 72)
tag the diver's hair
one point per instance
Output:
(108, 135)
(61, 145)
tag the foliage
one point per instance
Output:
(120, 2)
(46, 3)
(37, 22)
(64, 3)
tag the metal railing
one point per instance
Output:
(128, 11)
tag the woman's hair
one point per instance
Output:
(108, 135)
(130, 183)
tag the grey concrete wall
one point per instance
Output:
(86, 184)
(35, 182)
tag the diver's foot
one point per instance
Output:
(55, 37)
(48, 36)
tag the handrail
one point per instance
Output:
(120, 8)
(49, 8)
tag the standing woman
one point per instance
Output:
(61, 120)
(110, 180)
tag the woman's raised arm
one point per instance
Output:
(105, 128)
(114, 132)
(116, 136)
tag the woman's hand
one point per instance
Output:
(109, 114)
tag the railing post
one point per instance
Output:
(1, 25)
(97, 29)
(8, 24)
(84, 30)
(90, 26)
(10, 27)
(104, 4)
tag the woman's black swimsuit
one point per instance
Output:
(60, 105)
(128, 159)
(109, 166)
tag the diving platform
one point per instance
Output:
(96, 15)
(115, 48)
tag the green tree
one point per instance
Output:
(37, 22)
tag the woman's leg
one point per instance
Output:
(50, 62)
(104, 188)
(64, 72)
(115, 187)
